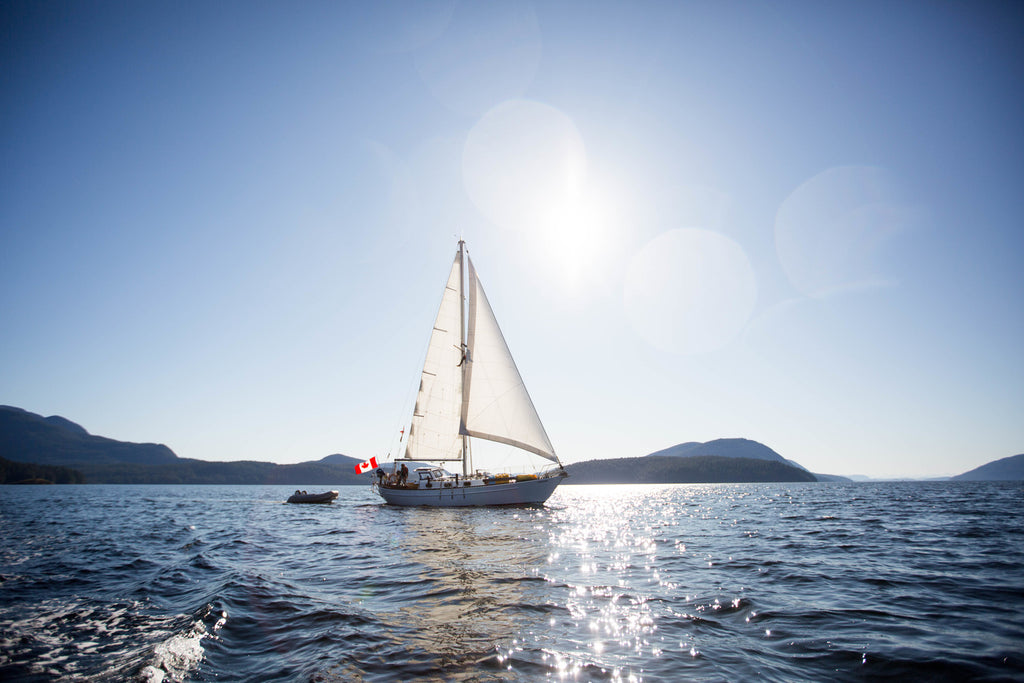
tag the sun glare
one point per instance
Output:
(525, 169)
(521, 159)
(832, 231)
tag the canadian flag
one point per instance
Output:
(370, 464)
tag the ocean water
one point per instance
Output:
(916, 581)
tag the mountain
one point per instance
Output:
(833, 478)
(737, 448)
(36, 447)
(189, 471)
(33, 447)
(669, 469)
(64, 423)
(1004, 469)
(27, 437)
(725, 448)
(339, 459)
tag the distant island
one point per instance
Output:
(37, 449)
(699, 469)
(54, 444)
(1004, 469)
(718, 461)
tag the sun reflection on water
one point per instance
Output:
(642, 583)
(626, 573)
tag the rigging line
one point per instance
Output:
(408, 408)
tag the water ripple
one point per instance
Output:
(698, 582)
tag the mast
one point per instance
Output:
(466, 465)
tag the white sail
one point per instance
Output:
(495, 404)
(434, 431)
(470, 387)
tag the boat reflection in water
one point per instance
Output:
(476, 585)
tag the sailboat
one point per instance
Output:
(470, 388)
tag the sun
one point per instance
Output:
(525, 168)
(572, 235)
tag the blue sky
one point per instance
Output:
(226, 226)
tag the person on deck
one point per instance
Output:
(403, 475)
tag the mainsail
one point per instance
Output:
(434, 431)
(495, 404)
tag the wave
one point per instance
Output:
(701, 583)
(81, 639)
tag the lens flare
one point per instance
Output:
(832, 231)
(690, 291)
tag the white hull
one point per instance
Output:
(532, 492)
